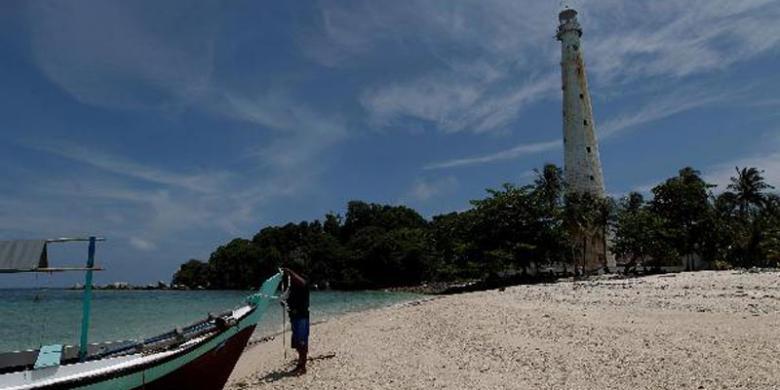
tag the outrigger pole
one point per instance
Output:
(87, 300)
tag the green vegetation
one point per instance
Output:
(514, 230)
(737, 227)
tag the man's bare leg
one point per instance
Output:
(303, 352)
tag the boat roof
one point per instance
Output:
(23, 255)
(32, 256)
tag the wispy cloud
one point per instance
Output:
(423, 189)
(89, 47)
(480, 86)
(142, 244)
(665, 38)
(358, 29)
(769, 102)
(721, 174)
(143, 59)
(508, 154)
(205, 182)
(279, 97)
(133, 57)
(654, 109)
(484, 85)
(144, 203)
(303, 132)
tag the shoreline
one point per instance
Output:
(689, 330)
(254, 341)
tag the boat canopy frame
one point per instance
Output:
(23, 255)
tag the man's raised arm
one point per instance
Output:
(294, 277)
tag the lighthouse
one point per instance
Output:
(582, 164)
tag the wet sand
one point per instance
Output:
(705, 330)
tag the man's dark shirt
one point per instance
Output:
(298, 301)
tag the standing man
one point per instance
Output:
(298, 309)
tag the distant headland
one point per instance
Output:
(160, 285)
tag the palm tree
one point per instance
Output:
(576, 221)
(748, 187)
(748, 195)
(549, 184)
(770, 221)
(586, 218)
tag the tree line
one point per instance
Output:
(514, 229)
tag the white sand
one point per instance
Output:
(706, 330)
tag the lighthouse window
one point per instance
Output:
(588, 148)
(585, 122)
(592, 178)
(575, 47)
(582, 96)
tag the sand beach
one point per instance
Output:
(704, 330)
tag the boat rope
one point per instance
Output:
(284, 325)
(283, 302)
(36, 305)
(38, 302)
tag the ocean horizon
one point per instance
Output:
(34, 317)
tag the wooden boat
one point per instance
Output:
(199, 356)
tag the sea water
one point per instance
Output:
(30, 318)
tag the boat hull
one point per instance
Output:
(209, 371)
(202, 362)
(205, 367)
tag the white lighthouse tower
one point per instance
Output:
(582, 165)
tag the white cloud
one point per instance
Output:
(125, 198)
(483, 64)
(423, 190)
(205, 182)
(135, 56)
(425, 99)
(353, 31)
(661, 107)
(656, 108)
(482, 61)
(474, 88)
(721, 174)
(303, 132)
(91, 48)
(624, 41)
(141, 244)
(146, 66)
(455, 105)
(676, 39)
(508, 154)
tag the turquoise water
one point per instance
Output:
(30, 318)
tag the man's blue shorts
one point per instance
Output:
(300, 332)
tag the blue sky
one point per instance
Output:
(171, 127)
